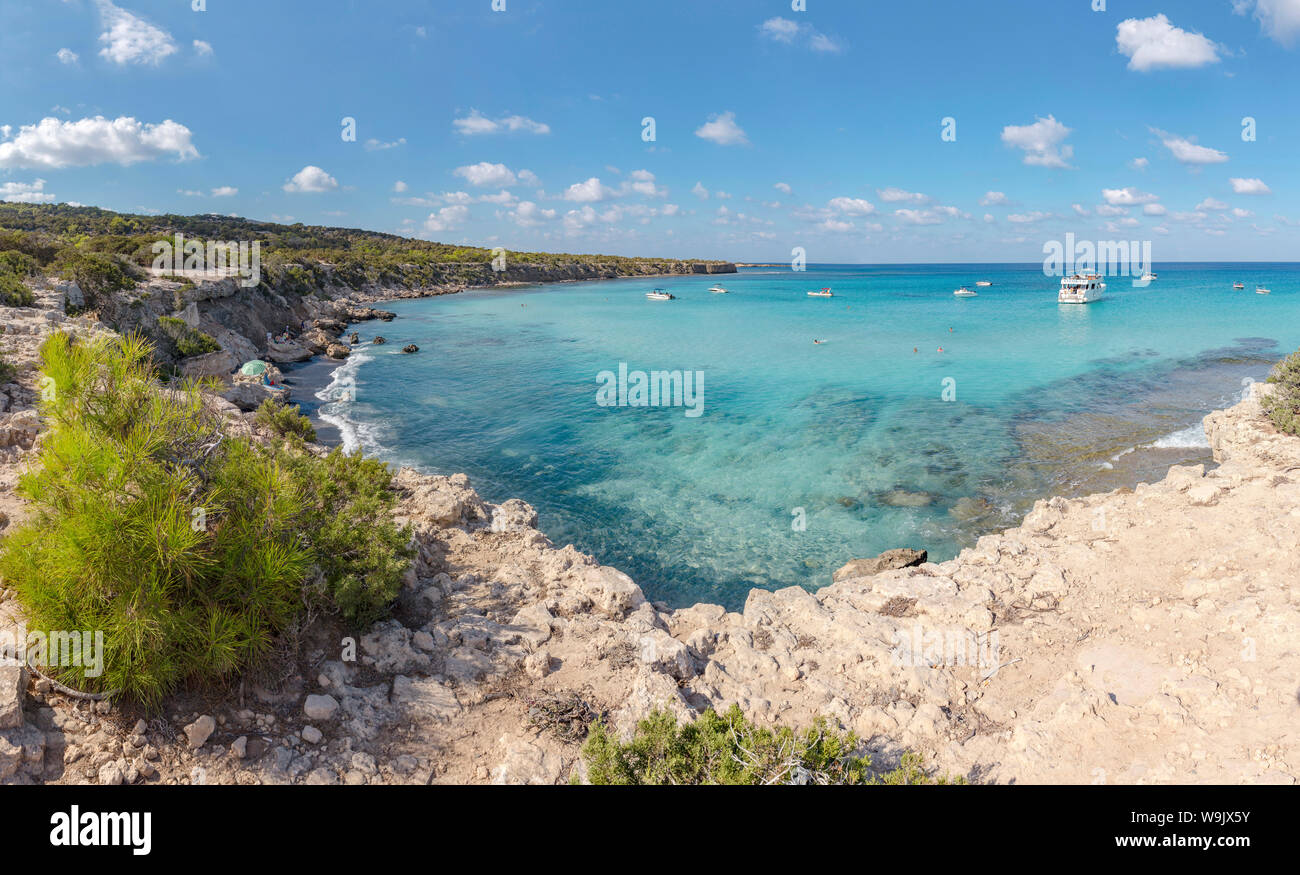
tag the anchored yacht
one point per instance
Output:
(1081, 289)
(821, 293)
(718, 290)
(983, 283)
(659, 295)
(964, 292)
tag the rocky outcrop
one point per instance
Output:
(887, 561)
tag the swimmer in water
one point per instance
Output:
(817, 341)
(913, 350)
(941, 349)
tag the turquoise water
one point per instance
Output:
(867, 443)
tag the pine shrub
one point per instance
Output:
(1283, 404)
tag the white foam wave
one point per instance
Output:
(1190, 438)
(339, 399)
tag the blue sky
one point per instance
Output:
(774, 127)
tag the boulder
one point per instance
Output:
(410, 347)
(212, 364)
(886, 561)
(289, 351)
(13, 687)
(320, 707)
(247, 395)
(379, 339)
(337, 351)
(198, 732)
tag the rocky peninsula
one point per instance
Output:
(1149, 635)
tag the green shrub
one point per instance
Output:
(14, 292)
(1283, 405)
(94, 272)
(285, 420)
(188, 340)
(191, 551)
(348, 524)
(8, 373)
(729, 749)
(17, 264)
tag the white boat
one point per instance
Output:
(984, 283)
(659, 295)
(1148, 277)
(1260, 290)
(1081, 289)
(964, 292)
(1239, 285)
(718, 290)
(821, 293)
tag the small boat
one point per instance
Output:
(718, 290)
(1260, 290)
(1148, 277)
(984, 283)
(1081, 289)
(1239, 285)
(821, 293)
(964, 292)
(659, 295)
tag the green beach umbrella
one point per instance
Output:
(253, 368)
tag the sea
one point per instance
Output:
(815, 429)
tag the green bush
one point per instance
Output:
(729, 749)
(8, 373)
(189, 341)
(1283, 405)
(348, 524)
(14, 293)
(192, 552)
(94, 272)
(285, 420)
(17, 264)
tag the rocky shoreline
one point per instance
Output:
(1138, 636)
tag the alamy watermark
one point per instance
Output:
(56, 648)
(628, 388)
(211, 260)
(1072, 257)
(918, 646)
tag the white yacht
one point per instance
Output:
(983, 283)
(1260, 290)
(1081, 289)
(821, 293)
(659, 295)
(964, 292)
(1148, 277)
(718, 290)
(1239, 285)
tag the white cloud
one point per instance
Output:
(66, 56)
(994, 199)
(721, 128)
(851, 206)
(373, 145)
(1138, 164)
(477, 124)
(1108, 210)
(25, 193)
(129, 39)
(1028, 218)
(783, 30)
(487, 174)
(589, 192)
(1081, 210)
(1211, 204)
(202, 49)
(1280, 19)
(918, 217)
(446, 219)
(783, 187)
(700, 191)
(1186, 149)
(527, 215)
(1242, 214)
(1127, 197)
(820, 42)
(1154, 210)
(1043, 142)
(643, 182)
(1240, 186)
(225, 191)
(1154, 44)
(898, 196)
(311, 180)
(399, 186)
(54, 143)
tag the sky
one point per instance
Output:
(861, 132)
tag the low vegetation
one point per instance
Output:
(192, 551)
(730, 749)
(188, 340)
(285, 420)
(1283, 405)
(15, 267)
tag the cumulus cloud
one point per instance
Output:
(311, 180)
(1211, 204)
(54, 143)
(446, 219)
(225, 191)
(1127, 197)
(487, 174)
(1139, 164)
(589, 192)
(1043, 142)
(66, 56)
(700, 191)
(202, 49)
(783, 187)
(1156, 44)
(643, 182)
(1240, 186)
(1280, 19)
(129, 39)
(477, 124)
(399, 186)
(25, 193)
(527, 215)
(721, 128)
(851, 206)
(1186, 149)
(994, 199)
